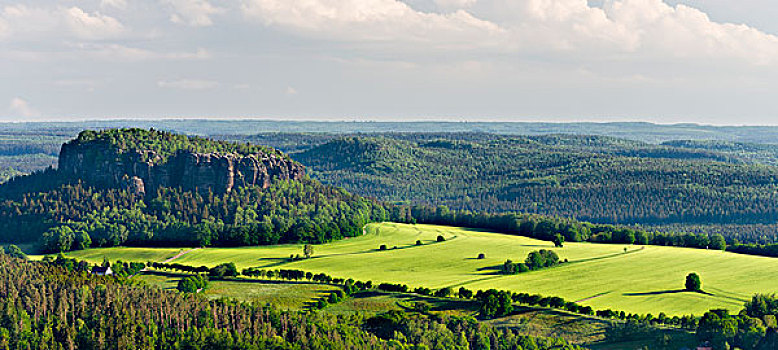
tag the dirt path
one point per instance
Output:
(180, 254)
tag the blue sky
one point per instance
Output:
(711, 61)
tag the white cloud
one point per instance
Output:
(454, 4)
(118, 4)
(3, 28)
(45, 23)
(371, 20)
(645, 29)
(92, 26)
(682, 31)
(117, 52)
(113, 53)
(21, 108)
(188, 84)
(290, 91)
(195, 13)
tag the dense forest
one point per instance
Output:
(288, 211)
(47, 306)
(545, 175)
(62, 212)
(716, 187)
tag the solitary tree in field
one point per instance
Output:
(693, 283)
(559, 241)
(308, 250)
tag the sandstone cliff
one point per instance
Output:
(143, 171)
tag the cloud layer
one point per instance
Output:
(502, 57)
(648, 29)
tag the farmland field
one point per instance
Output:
(643, 280)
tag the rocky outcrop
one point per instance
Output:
(144, 171)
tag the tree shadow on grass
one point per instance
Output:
(671, 291)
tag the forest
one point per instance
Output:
(64, 213)
(588, 178)
(709, 187)
(45, 306)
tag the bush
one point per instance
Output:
(542, 258)
(443, 292)
(421, 307)
(224, 270)
(14, 252)
(481, 256)
(191, 284)
(418, 242)
(391, 287)
(423, 291)
(441, 239)
(382, 247)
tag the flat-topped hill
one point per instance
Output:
(150, 159)
(153, 188)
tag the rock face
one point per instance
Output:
(143, 172)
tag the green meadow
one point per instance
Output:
(643, 279)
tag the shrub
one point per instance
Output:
(382, 247)
(443, 292)
(421, 307)
(481, 256)
(441, 239)
(418, 242)
(14, 252)
(191, 284)
(225, 270)
(423, 291)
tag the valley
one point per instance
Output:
(646, 279)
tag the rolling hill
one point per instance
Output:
(645, 279)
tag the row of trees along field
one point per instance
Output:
(569, 230)
(43, 306)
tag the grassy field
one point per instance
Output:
(644, 280)
(285, 296)
(125, 254)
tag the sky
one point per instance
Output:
(701, 61)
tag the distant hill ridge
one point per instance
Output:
(146, 160)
